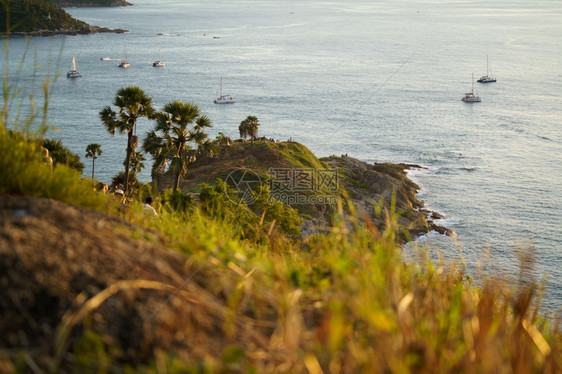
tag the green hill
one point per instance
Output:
(38, 17)
(34, 15)
(312, 186)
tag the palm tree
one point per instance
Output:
(249, 127)
(93, 150)
(177, 125)
(133, 104)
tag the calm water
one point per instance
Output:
(381, 82)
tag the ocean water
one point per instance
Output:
(380, 81)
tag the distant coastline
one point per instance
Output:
(89, 3)
(90, 29)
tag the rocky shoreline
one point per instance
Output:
(82, 31)
(371, 185)
(94, 4)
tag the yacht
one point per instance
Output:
(124, 63)
(74, 73)
(223, 98)
(486, 78)
(158, 63)
(471, 97)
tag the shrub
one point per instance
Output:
(23, 171)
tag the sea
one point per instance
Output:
(380, 81)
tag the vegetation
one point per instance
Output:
(34, 15)
(24, 171)
(249, 128)
(133, 104)
(177, 125)
(93, 151)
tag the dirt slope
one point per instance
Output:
(55, 257)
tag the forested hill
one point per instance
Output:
(73, 3)
(40, 17)
(34, 15)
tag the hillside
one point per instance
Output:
(359, 184)
(37, 17)
(82, 253)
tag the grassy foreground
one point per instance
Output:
(344, 302)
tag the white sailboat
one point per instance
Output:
(470, 97)
(158, 63)
(74, 73)
(224, 98)
(486, 78)
(124, 63)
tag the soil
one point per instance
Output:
(54, 257)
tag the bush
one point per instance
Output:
(285, 216)
(177, 201)
(23, 171)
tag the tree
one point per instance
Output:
(133, 104)
(177, 125)
(249, 127)
(93, 150)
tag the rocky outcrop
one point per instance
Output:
(369, 186)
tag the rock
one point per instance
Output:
(369, 185)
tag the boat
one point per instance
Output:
(470, 97)
(105, 58)
(158, 63)
(74, 73)
(224, 98)
(486, 78)
(124, 63)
